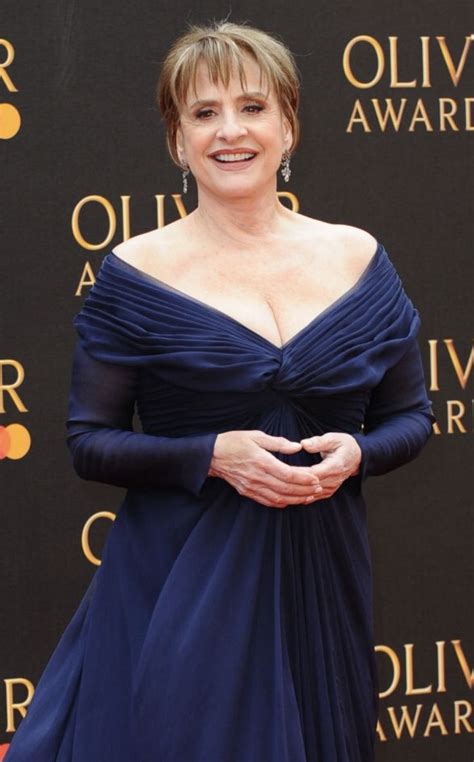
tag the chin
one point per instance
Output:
(233, 187)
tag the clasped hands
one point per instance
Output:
(244, 459)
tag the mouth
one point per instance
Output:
(226, 158)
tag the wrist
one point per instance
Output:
(356, 470)
(215, 457)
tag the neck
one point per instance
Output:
(242, 222)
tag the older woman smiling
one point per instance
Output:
(274, 364)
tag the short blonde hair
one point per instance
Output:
(222, 46)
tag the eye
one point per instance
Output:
(254, 108)
(204, 113)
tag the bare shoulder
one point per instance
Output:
(351, 247)
(144, 250)
(356, 245)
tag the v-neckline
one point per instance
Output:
(164, 286)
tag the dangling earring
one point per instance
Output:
(185, 174)
(285, 166)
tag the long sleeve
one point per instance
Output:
(399, 420)
(104, 446)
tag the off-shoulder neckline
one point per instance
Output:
(113, 258)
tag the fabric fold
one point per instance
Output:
(218, 628)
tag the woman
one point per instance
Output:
(274, 364)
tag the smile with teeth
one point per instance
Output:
(233, 156)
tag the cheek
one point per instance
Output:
(272, 132)
(197, 139)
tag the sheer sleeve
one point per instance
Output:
(103, 444)
(399, 418)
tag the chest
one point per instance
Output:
(275, 297)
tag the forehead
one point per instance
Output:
(208, 82)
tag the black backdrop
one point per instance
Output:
(78, 119)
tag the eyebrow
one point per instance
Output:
(243, 97)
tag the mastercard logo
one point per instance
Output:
(15, 441)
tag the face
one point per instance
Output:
(232, 138)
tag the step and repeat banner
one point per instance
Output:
(387, 135)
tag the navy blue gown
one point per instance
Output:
(218, 629)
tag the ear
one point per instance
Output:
(180, 144)
(287, 134)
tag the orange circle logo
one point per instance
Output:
(10, 121)
(15, 441)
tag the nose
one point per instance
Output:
(231, 126)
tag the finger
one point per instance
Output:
(330, 468)
(275, 492)
(276, 444)
(329, 488)
(287, 488)
(266, 497)
(286, 473)
(274, 499)
(325, 495)
(313, 444)
(259, 482)
(328, 441)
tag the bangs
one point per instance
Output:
(223, 59)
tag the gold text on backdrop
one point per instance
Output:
(447, 369)
(447, 115)
(447, 715)
(14, 704)
(455, 72)
(86, 548)
(4, 75)
(105, 207)
(10, 120)
(9, 388)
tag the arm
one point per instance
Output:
(104, 446)
(399, 420)
(398, 423)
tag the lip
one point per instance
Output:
(233, 166)
(241, 149)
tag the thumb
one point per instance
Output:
(311, 444)
(276, 444)
(318, 443)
